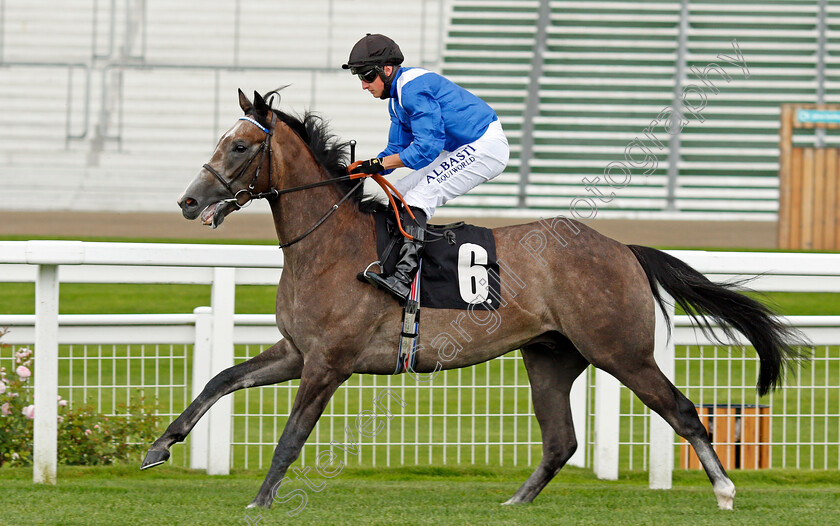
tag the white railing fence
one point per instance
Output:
(479, 415)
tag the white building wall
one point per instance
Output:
(114, 106)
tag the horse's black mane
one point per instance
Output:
(330, 152)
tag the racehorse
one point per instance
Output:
(582, 299)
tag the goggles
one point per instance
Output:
(366, 73)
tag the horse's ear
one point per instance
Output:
(260, 104)
(244, 103)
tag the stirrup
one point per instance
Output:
(362, 276)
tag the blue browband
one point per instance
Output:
(255, 123)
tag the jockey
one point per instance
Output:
(451, 139)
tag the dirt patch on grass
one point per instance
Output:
(258, 226)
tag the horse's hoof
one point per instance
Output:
(154, 457)
(257, 504)
(725, 493)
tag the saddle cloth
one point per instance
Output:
(459, 269)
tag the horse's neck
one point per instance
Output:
(296, 212)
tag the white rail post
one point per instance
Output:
(607, 402)
(222, 302)
(200, 435)
(45, 433)
(579, 417)
(661, 434)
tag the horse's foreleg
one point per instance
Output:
(317, 385)
(551, 374)
(278, 363)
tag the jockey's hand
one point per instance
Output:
(371, 166)
(353, 166)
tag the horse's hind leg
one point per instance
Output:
(654, 389)
(551, 372)
(278, 363)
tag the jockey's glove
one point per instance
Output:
(370, 166)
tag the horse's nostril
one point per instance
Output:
(188, 204)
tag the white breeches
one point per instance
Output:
(455, 173)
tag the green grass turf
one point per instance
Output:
(79, 298)
(166, 495)
(19, 298)
(104, 298)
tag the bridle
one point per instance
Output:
(273, 193)
(261, 151)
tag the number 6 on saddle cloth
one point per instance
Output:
(459, 274)
(462, 274)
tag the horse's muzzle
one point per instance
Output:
(189, 207)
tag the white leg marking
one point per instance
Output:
(725, 493)
(723, 487)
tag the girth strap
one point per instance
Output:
(407, 352)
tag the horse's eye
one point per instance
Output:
(240, 148)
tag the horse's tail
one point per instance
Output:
(775, 342)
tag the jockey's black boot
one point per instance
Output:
(399, 283)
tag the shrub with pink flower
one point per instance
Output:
(23, 372)
(85, 437)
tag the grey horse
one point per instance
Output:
(581, 299)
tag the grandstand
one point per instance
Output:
(109, 105)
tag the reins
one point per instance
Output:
(323, 218)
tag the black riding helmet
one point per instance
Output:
(371, 54)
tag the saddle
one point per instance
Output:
(459, 269)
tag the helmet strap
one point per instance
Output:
(387, 80)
